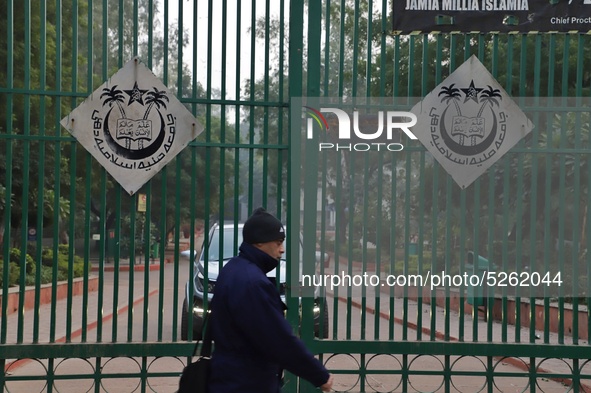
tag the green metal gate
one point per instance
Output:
(381, 213)
(68, 229)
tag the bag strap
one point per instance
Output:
(207, 338)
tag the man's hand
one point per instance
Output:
(327, 387)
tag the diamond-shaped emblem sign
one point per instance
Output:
(469, 122)
(132, 125)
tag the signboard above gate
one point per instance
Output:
(132, 125)
(488, 16)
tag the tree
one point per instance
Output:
(33, 203)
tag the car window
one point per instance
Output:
(227, 251)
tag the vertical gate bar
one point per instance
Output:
(327, 40)
(462, 328)
(323, 305)
(447, 373)
(120, 37)
(58, 86)
(50, 375)
(421, 231)
(102, 249)
(296, 52)
(340, 176)
(577, 195)
(88, 183)
(509, 88)
(355, 43)
(421, 209)
(193, 208)
(378, 259)
(208, 149)
(367, 76)
(71, 241)
(146, 281)
(222, 180)
(145, 366)
(548, 183)
(475, 204)
(407, 194)
(251, 109)
(406, 234)
(393, 188)
(72, 145)
(491, 300)
(434, 243)
(133, 235)
(310, 221)
(164, 193)
(350, 229)
(449, 185)
(504, 249)
(163, 220)
(134, 214)
(8, 165)
(364, 245)
(341, 69)
(166, 54)
(26, 159)
(519, 230)
(463, 198)
(435, 205)
(177, 215)
(87, 231)
(135, 27)
(116, 263)
(562, 187)
(337, 246)
(104, 52)
(190, 290)
(380, 180)
(266, 108)
(238, 39)
(281, 113)
(587, 230)
(477, 250)
(534, 185)
(151, 34)
(351, 205)
(368, 43)
(41, 170)
(587, 245)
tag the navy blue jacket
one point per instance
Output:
(253, 341)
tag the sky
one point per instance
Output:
(199, 38)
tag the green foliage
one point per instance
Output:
(46, 269)
(139, 236)
(14, 273)
(16, 257)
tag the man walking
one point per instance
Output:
(253, 341)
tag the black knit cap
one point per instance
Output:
(262, 227)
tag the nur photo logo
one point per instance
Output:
(359, 131)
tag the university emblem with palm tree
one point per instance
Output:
(132, 125)
(473, 127)
(132, 137)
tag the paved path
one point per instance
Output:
(160, 301)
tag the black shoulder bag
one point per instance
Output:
(195, 376)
